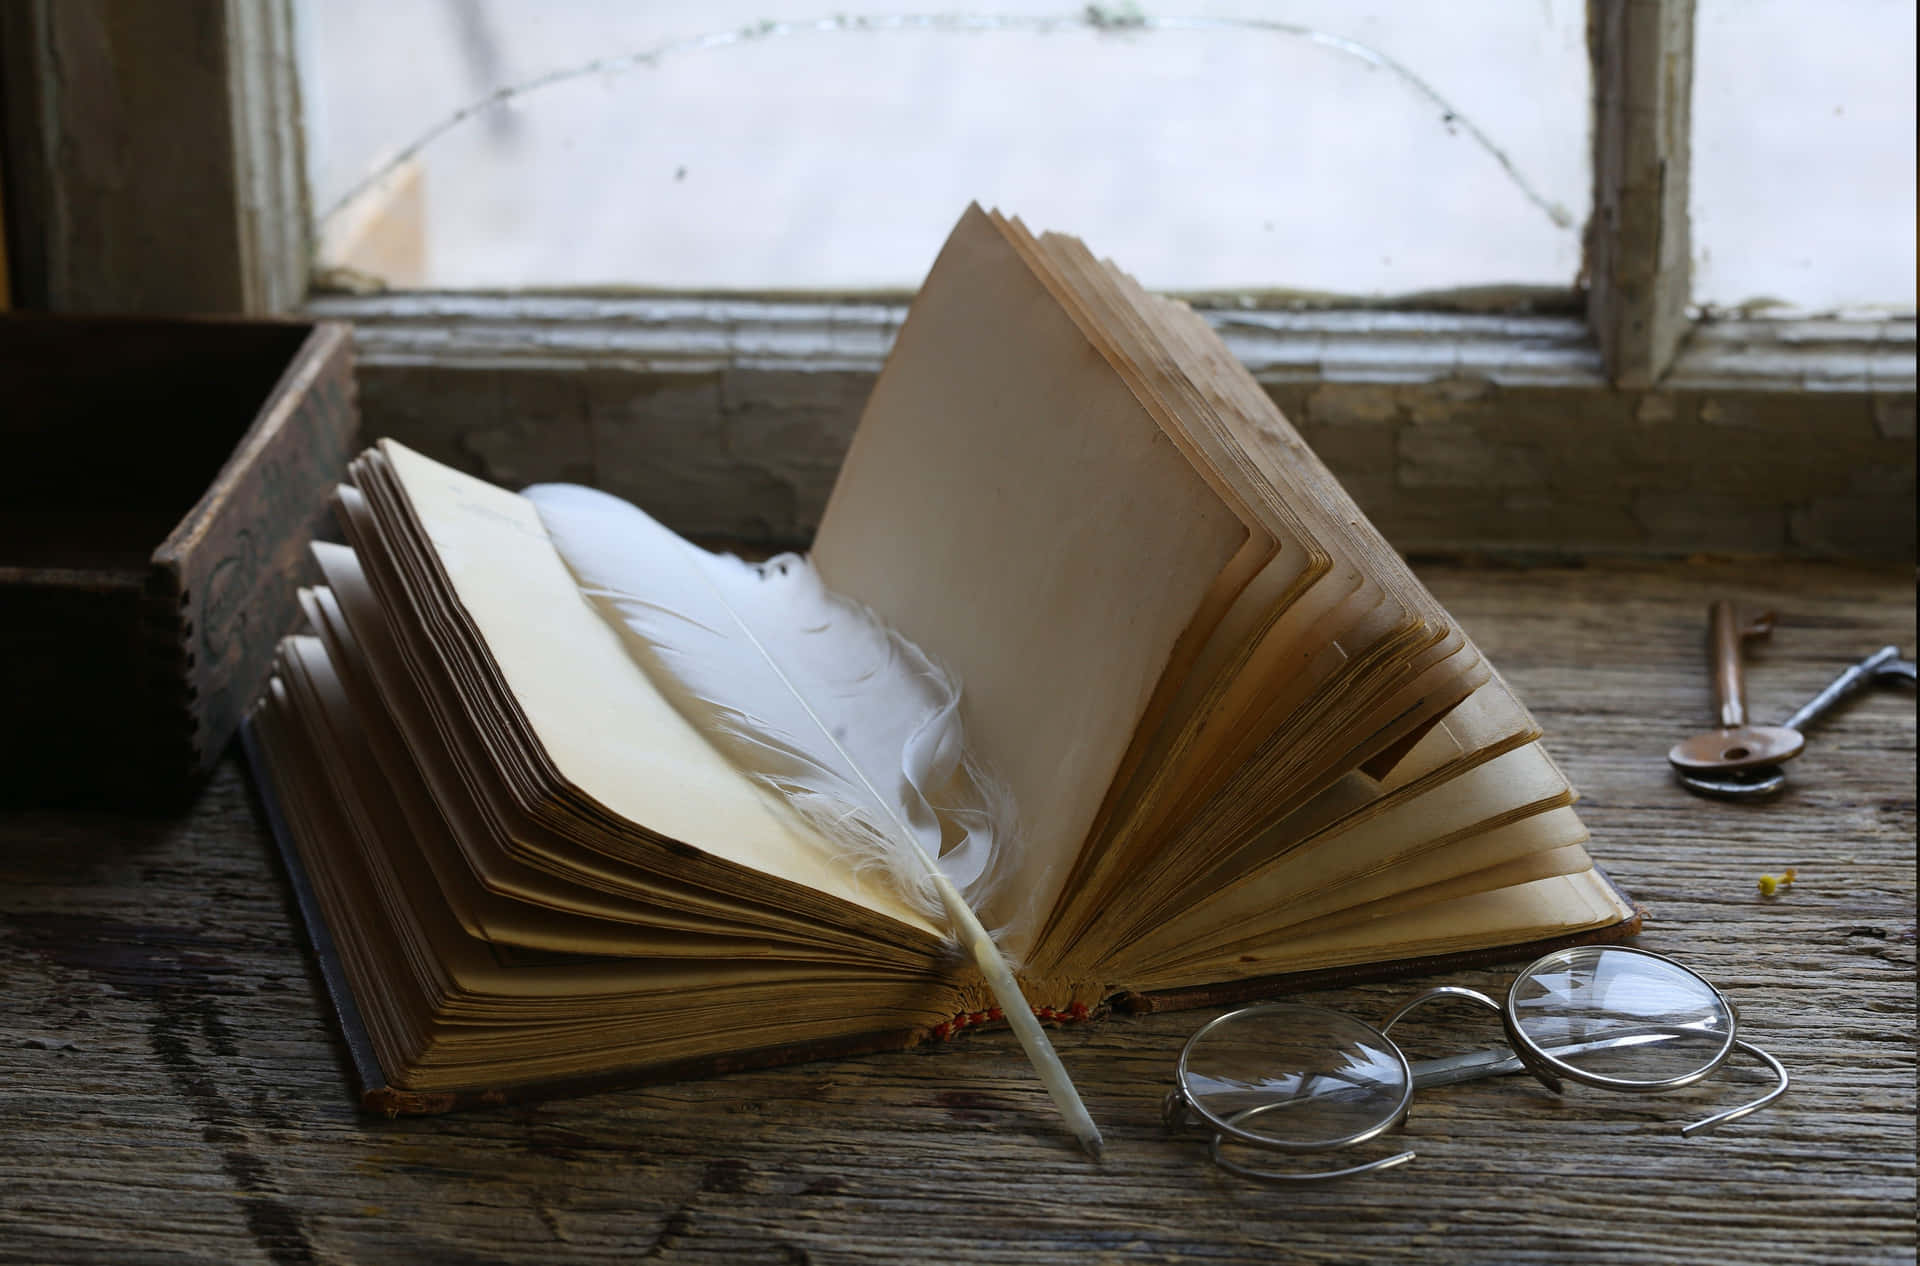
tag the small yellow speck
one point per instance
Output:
(1768, 885)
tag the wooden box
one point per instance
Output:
(161, 481)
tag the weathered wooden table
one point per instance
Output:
(170, 1089)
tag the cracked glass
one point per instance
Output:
(1320, 148)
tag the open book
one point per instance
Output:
(1248, 750)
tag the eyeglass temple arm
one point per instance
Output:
(1175, 1113)
(1500, 1061)
(1314, 1175)
(1734, 1114)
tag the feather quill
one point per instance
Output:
(854, 726)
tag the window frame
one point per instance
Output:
(74, 92)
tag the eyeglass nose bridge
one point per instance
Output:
(1523, 1049)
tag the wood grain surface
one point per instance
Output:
(170, 1090)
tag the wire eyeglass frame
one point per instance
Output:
(1185, 1106)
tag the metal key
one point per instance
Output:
(1735, 744)
(1764, 780)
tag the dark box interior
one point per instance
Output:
(147, 562)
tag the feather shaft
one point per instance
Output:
(1013, 1004)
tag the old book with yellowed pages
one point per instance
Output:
(1244, 748)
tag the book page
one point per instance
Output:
(1557, 906)
(1014, 509)
(600, 720)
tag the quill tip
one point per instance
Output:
(1093, 1145)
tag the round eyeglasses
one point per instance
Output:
(1295, 1078)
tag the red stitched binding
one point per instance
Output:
(973, 1019)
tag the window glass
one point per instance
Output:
(1390, 147)
(1803, 156)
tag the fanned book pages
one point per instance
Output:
(568, 802)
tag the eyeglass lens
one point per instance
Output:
(1295, 1076)
(1629, 1018)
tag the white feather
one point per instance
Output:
(853, 725)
